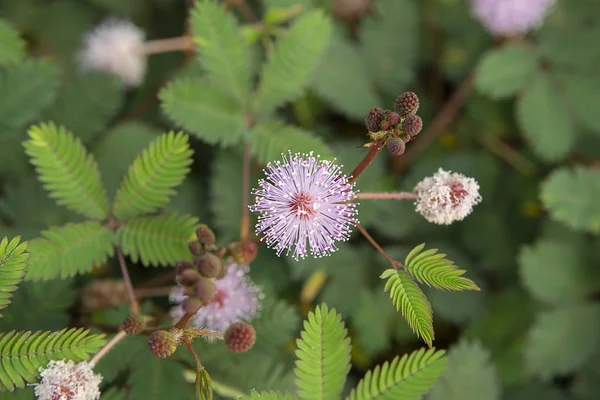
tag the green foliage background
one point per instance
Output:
(528, 132)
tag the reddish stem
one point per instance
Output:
(373, 151)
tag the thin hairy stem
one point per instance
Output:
(133, 303)
(204, 333)
(386, 196)
(184, 321)
(112, 343)
(245, 222)
(181, 43)
(366, 234)
(373, 151)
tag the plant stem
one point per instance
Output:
(362, 230)
(373, 151)
(511, 156)
(440, 122)
(116, 339)
(386, 196)
(133, 303)
(153, 292)
(245, 222)
(226, 391)
(184, 321)
(181, 43)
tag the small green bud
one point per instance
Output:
(162, 343)
(133, 325)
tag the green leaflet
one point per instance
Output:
(323, 355)
(12, 47)
(222, 49)
(431, 268)
(13, 262)
(205, 110)
(408, 377)
(271, 138)
(410, 299)
(23, 353)
(270, 395)
(153, 176)
(504, 71)
(27, 88)
(68, 172)
(159, 240)
(293, 61)
(276, 326)
(69, 250)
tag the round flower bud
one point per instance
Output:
(206, 290)
(406, 104)
(205, 235)
(396, 146)
(240, 337)
(411, 126)
(208, 265)
(183, 265)
(243, 252)
(189, 277)
(162, 343)
(133, 325)
(195, 248)
(191, 305)
(374, 118)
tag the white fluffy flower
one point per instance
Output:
(510, 17)
(116, 46)
(68, 381)
(446, 197)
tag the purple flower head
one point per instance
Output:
(510, 17)
(237, 299)
(304, 199)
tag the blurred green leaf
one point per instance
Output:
(12, 47)
(167, 379)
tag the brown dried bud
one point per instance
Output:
(191, 305)
(411, 126)
(189, 277)
(195, 248)
(133, 325)
(183, 265)
(162, 343)
(208, 265)
(243, 252)
(374, 118)
(206, 290)
(406, 104)
(205, 235)
(240, 337)
(396, 146)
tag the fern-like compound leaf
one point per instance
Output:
(204, 110)
(294, 59)
(153, 177)
(66, 251)
(23, 353)
(12, 45)
(159, 240)
(270, 395)
(222, 48)
(431, 268)
(13, 262)
(67, 171)
(323, 356)
(406, 378)
(410, 299)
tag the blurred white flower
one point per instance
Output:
(68, 381)
(510, 17)
(446, 197)
(116, 46)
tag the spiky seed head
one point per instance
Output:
(195, 247)
(191, 305)
(208, 265)
(411, 126)
(407, 104)
(205, 235)
(396, 146)
(162, 343)
(206, 290)
(240, 337)
(133, 325)
(243, 252)
(189, 277)
(373, 119)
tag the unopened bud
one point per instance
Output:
(208, 265)
(183, 265)
(243, 252)
(162, 343)
(373, 119)
(195, 248)
(206, 290)
(240, 337)
(396, 146)
(189, 277)
(411, 126)
(133, 325)
(407, 104)
(205, 235)
(191, 305)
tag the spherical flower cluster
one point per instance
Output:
(304, 199)
(237, 299)
(68, 381)
(446, 197)
(117, 47)
(510, 17)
